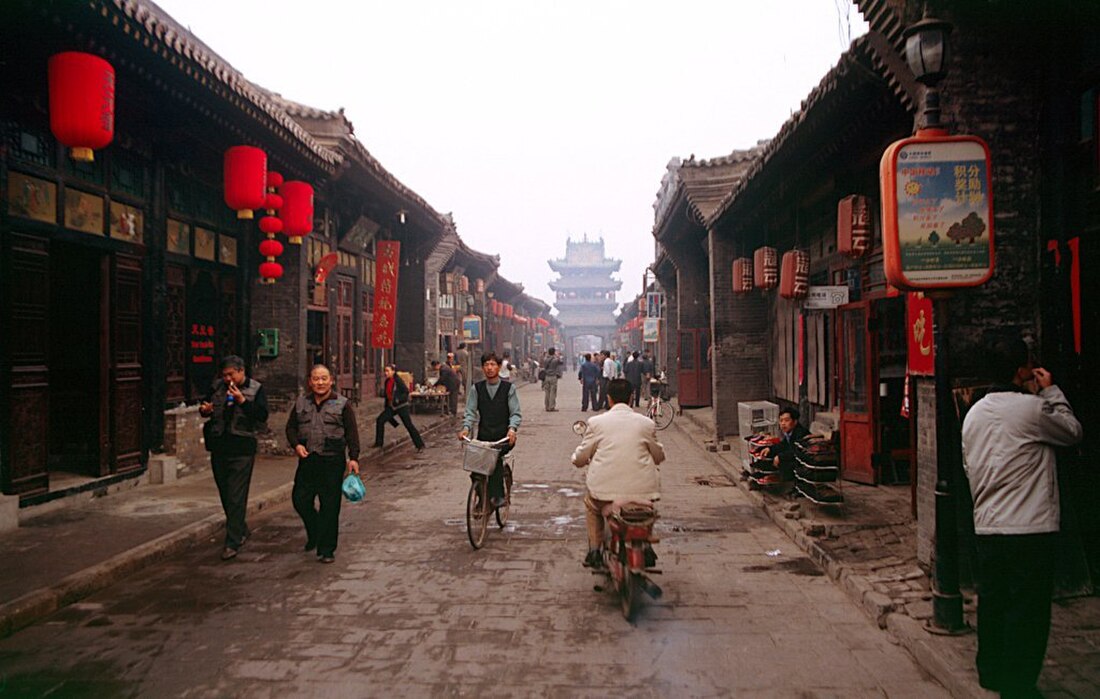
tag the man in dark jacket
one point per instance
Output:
(632, 371)
(589, 375)
(494, 404)
(790, 431)
(448, 379)
(321, 428)
(237, 408)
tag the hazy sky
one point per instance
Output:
(535, 120)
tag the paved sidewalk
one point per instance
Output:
(869, 549)
(69, 552)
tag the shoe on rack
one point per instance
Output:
(594, 559)
(228, 553)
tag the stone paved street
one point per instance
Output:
(410, 608)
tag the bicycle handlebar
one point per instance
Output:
(499, 443)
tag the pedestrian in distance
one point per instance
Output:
(589, 376)
(448, 379)
(550, 381)
(322, 430)
(1008, 439)
(632, 372)
(237, 410)
(396, 394)
(462, 359)
(506, 367)
(493, 404)
(607, 365)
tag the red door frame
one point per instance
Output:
(858, 419)
(693, 371)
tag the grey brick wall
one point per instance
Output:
(739, 326)
(282, 305)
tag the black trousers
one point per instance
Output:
(317, 482)
(1015, 583)
(635, 394)
(496, 478)
(452, 402)
(233, 474)
(590, 396)
(604, 381)
(388, 414)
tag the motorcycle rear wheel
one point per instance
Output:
(629, 594)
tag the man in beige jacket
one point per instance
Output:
(621, 451)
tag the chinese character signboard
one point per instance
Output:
(922, 355)
(384, 322)
(937, 212)
(819, 297)
(471, 329)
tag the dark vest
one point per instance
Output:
(236, 423)
(321, 430)
(492, 422)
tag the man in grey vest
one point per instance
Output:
(322, 428)
(237, 408)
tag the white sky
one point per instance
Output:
(534, 120)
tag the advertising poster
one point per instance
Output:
(651, 332)
(937, 213)
(471, 329)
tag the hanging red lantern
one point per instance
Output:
(742, 275)
(270, 271)
(271, 249)
(271, 225)
(765, 268)
(795, 282)
(297, 211)
(245, 177)
(853, 225)
(82, 102)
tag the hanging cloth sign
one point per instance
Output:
(384, 321)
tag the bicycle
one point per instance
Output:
(658, 408)
(480, 459)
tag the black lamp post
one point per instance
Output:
(926, 53)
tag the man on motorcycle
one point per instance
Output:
(622, 453)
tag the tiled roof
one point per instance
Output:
(871, 51)
(169, 34)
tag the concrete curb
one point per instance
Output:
(908, 632)
(29, 608)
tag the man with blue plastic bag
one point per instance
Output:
(322, 428)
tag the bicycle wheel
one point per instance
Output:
(663, 416)
(477, 515)
(502, 511)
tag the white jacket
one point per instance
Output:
(1008, 443)
(622, 453)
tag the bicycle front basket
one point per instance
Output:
(479, 458)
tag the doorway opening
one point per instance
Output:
(77, 343)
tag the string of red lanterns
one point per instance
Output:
(270, 225)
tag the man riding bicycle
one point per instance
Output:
(494, 405)
(622, 453)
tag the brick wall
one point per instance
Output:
(282, 305)
(183, 437)
(739, 326)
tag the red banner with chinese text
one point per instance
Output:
(922, 356)
(384, 322)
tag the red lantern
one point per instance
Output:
(270, 271)
(853, 226)
(273, 202)
(271, 225)
(274, 180)
(742, 275)
(765, 268)
(271, 249)
(297, 211)
(82, 102)
(795, 282)
(245, 173)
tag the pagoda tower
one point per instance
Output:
(586, 292)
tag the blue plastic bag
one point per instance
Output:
(353, 488)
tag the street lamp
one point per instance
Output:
(926, 52)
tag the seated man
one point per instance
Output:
(790, 431)
(622, 453)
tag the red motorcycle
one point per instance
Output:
(628, 556)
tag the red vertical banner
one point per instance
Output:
(384, 323)
(922, 356)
